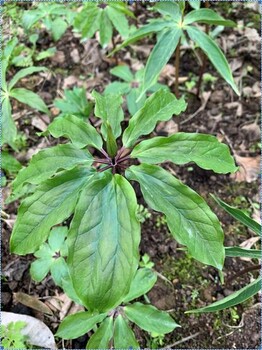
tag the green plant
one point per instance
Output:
(170, 29)
(11, 336)
(131, 87)
(103, 16)
(74, 103)
(9, 165)
(143, 213)
(252, 288)
(104, 233)
(55, 17)
(22, 95)
(156, 340)
(146, 262)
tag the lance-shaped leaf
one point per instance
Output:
(101, 338)
(207, 16)
(168, 8)
(205, 150)
(53, 202)
(109, 109)
(232, 299)
(150, 318)
(243, 252)
(123, 72)
(23, 73)
(195, 4)
(142, 283)
(105, 29)
(160, 55)
(158, 107)
(5, 60)
(189, 218)
(80, 133)
(47, 162)
(74, 326)
(104, 236)
(10, 163)
(214, 54)
(29, 98)
(124, 337)
(8, 124)
(239, 215)
(119, 20)
(87, 21)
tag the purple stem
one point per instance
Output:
(105, 168)
(105, 154)
(123, 159)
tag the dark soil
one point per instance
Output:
(183, 283)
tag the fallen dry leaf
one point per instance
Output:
(249, 242)
(75, 56)
(252, 131)
(33, 302)
(64, 305)
(167, 128)
(69, 82)
(59, 57)
(39, 123)
(249, 169)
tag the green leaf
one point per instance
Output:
(76, 325)
(239, 215)
(119, 21)
(242, 252)
(23, 73)
(133, 104)
(67, 286)
(45, 54)
(109, 109)
(189, 218)
(124, 337)
(57, 238)
(9, 48)
(111, 145)
(29, 98)
(122, 72)
(47, 162)
(142, 283)
(170, 9)
(40, 268)
(8, 124)
(214, 54)
(59, 270)
(30, 18)
(58, 28)
(105, 29)
(101, 338)
(195, 4)
(104, 238)
(117, 88)
(87, 21)
(160, 55)
(233, 299)
(52, 203)
(207, 16)
(205, 150)
(9, 163)
(158, 107)
(150, 318)
(80, 133)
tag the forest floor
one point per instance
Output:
(183, 283)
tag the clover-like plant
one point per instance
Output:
(22, 95)
(170, 29)
(12, 337)
(103, 16)
(96, 186)
(131, 87)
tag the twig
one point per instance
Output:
(243, 271)
(183, 340)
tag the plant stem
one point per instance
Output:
(121, 160)
(242, 272)
(105, 154)
(114, 46)
(177, 63)
(104, 168)
(102, 161)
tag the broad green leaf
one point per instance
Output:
(23, 73)
(105, 29)
(170, 9)
(122, 7)
(119, 21)
(87, 21)
(47, 162)
(76, 325)
(9, 163)
(124, 337)
(195, 4)
(214, 54)
(67, 286)
(101, 338)
(189, 218)
(30, 18)
(117, 88)
(243, 252)
(232, 299)
(45, 54)
(5, 60)
(40, 268)
(52, 203)
(80, 133)
(122, 72)
(109, 109)
(160, 55)
(59, 270)
(8, 124)
(142, 283)
(104, 238)
(29, 98)
(57, 238)
(207, 16)
(150, 318)
(239, 215)
(158, 107)
(133, 104)
(58, 28)
(181, 148)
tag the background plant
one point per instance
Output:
(11, 336)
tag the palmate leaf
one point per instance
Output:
(105, 29)
(47, 162)
(214, 54)
(118, 20)
(205, 150)
(101, 338)
(87, 21)
(158, 107)
(53, 202)
(104, 238)
(168, 8)
(207, 16)
(189, 218)
(124, 337)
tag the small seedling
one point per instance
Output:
(11, 336)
